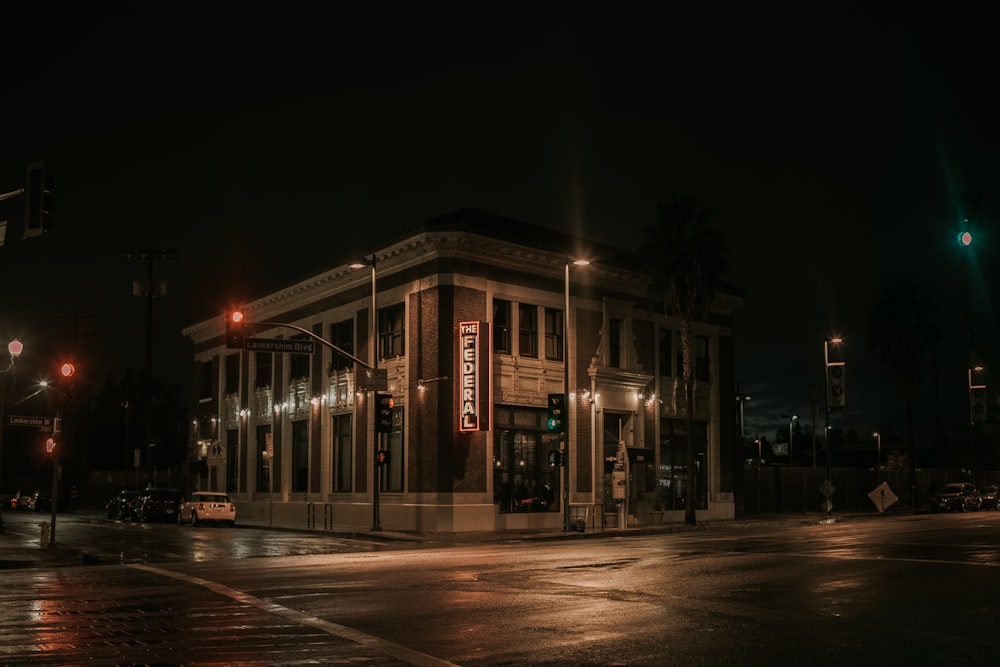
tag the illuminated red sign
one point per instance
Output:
(474, 376)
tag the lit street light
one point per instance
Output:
(373, 343)
(836, 340)
(878, 461)
(566, 334)
(791, 451)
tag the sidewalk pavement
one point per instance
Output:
(22, 540)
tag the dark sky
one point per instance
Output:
(264, 142)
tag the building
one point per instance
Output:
(469, 330)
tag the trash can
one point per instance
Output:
(44, 538)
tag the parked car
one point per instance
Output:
(208, 506)
(988, 497)
(122, 506)
(20, 501)
(159, 505)
(957, 496)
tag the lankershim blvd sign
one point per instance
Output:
(474, 376)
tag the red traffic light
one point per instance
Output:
(67, 369)
(235, 330)
(236, 316)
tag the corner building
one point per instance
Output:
(470, 314)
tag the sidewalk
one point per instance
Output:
(21, 543)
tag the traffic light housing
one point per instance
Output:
(557, 413)
(555, 458)
(235, 322)
(970, 218)
(38, 191)
(835, 384)
(383, 413)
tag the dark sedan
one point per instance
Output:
(988, 497)
(956, 497)
(159, 505)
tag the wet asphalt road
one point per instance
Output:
(915, 590)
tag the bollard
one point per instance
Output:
(45, 533)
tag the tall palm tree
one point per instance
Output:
(685, 259)
(902, 331)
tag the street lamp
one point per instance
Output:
(565, 461)
(828, 485)
(878, 461)
(974, 388)
(14, 349)
(373, 343)
(791, 450)
(741, 398)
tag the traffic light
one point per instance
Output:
(67, 370)
(383, 413)
(38, 191)
(234, 330)
(555, 458)
(557, 413)
(970, 217)
(835, 385)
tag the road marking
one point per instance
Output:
(389, 648)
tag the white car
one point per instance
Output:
(207, 506)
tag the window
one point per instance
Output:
(527, 341)
(553, 334)
(342, 335)
(264, 364)
(700, 361)
(300, 455)
(392, 474)
(391, 330)
(263, 463)
(501, 326)
(614, 343)
(523, 481)
(205, 371)
(673, 475)
(298, 366)
(232, 374)
(666, 355)
(701, 358)
(343, 452)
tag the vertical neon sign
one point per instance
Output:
(474, 376)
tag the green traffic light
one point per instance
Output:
(964, 239)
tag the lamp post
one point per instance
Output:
(878, 461)
(566, 334)
(973, 390)
(14, 349)
(373, 343)
(836, 340)
(791, 449)
(741, 398)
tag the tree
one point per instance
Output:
(902, 332)
(685, 259)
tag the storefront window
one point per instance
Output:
(673, 473)
(523, 481)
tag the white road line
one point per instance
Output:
(389, 648)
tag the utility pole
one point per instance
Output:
(150, 290)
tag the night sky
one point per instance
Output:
(265, 142)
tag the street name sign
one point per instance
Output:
(280, 345)
(36, 422)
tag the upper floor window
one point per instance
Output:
(232, 373)
(701, 369)
(206, 380)
(615, 343)
(501, 326)
(298, 365)
(553, 334)
(391, 331)
(666, 353)
(527, 339)
(342, 335)
(264, 364)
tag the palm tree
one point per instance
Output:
(685, 258)
(902, 331)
